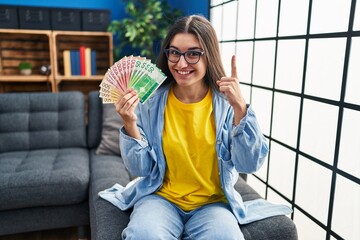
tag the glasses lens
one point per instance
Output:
(173, 55)
(192, 56)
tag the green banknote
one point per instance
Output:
(145, 79)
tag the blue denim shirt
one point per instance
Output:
(240, 149)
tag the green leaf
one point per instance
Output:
(146, 22)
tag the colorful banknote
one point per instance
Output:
(131, 72)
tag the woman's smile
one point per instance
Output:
(183, 72)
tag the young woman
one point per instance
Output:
(187, 144)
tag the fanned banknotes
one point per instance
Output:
(131, 72)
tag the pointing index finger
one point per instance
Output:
(233, 67)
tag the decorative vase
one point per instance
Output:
(25, 71)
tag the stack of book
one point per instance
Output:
(81, 62)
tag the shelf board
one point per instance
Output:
(25, 31)
(79, 78)
(22, 78)
(82, 33)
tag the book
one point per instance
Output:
(82, 60)
(67, 63)
(93, 62)
(75, 62)
(87, 61)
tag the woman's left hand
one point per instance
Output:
(230, 86)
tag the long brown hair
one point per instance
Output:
(205, 33)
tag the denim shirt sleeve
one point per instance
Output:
(139, 158)
(249, 146)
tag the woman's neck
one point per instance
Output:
(191, 94)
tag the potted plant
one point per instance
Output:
(25, 68)
(145, 25)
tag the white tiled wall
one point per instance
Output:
(298, 66)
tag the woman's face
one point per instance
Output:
(186, 74)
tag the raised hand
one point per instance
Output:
(126, 109)
(230, 87)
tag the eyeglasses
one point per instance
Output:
(190, 56)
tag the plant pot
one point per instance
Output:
(25, 71)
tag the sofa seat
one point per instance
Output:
(47, 177)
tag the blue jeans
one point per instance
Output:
(154, 217)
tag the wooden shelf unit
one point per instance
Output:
(45, 47)
(25, 45)
(102, 42)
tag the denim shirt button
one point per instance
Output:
(218, 142)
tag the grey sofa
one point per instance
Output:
(50, 175)
(44, 162)
(107, 221)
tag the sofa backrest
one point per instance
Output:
(41, 120)
(94, 119)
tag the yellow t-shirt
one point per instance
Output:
(189, 135)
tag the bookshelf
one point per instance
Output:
(45, 47)
(24, 45)
(101, 42)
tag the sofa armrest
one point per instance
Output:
(273, 228)
(106, 220)
(94, 119)
(246, 192)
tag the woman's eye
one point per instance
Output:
(193, 53)
(174, 52)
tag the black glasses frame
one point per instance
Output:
(166, 51)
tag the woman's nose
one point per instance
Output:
(182, 62)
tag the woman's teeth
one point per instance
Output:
(183, 72)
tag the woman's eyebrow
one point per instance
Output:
(192, 48)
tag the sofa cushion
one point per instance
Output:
(30, 121)
(46, 177)
(111, 123)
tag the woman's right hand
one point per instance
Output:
(126, 109)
